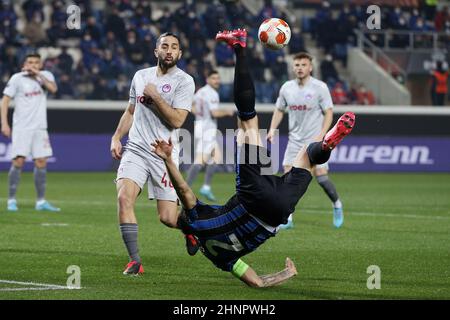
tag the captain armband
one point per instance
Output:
(239, 268)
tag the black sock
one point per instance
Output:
(244, 90)
(328, 187)
(129, 233)
(316, 154)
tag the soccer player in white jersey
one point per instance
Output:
(207, 150)
(29, 133)
(308, 103)
(160, 100)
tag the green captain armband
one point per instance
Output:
(239, 268)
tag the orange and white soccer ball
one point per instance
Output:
(274, 33)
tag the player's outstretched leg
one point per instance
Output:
(244, 89)
(319, 152)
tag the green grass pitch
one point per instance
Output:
(399, 222)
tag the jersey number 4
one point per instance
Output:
(166, 182)
(236, 246)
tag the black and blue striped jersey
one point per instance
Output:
(226, 232)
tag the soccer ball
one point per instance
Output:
(274, 33)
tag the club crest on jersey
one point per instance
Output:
(166, 88)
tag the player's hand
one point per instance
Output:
(163, 149)
(116, 149)
(270, 135)
(151, 91)
(6, 130)
(290, 266)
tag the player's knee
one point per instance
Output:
(40, 163)
(168, 218)
(125, 203)
(18, 162)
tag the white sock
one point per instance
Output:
(40, 201)
(337, 204)
(290, 218)
(206, 186)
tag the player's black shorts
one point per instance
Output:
(268, 197)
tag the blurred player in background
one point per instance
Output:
(308, 102)
(261, 202)
(207, 150)
(160, 100)
(29, 129)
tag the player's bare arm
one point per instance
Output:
(122, 129)
(251, 278)
(49, 85)
(34, 71)
(222, 113)
(164, 150)
(173, 116)
(6, 129)
(275, 123)
(326, 124)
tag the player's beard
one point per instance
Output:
(167, 65)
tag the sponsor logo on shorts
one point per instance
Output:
(166, 88)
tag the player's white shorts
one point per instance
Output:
(34, 143)
(148, 170)
(205, 145)
(205, 139)
(291, 152)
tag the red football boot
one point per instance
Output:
(342, 128)
(233, 37)
(192, 245)
(134, 268)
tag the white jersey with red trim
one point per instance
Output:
(177, 88)
(30, 100)
(305, 105)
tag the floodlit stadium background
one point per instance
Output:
(383, 75)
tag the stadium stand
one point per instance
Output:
(117, 37)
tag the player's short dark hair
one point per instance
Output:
(32, 55)
(303, 55)
(168, 34)
(212, 72)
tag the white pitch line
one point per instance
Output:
(36, 284)
(54, 224)
(31, 289)
(305, 210)
(375, 214)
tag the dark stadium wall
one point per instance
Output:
(94, 122)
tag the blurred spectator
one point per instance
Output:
(224, 55)
(364, 96)
(439, 85)
(34, 31)
(65, 88)
(93, 29)
(296, 44)
(133, 48)
(116, 41)
(30, 7)
(328, 70)
(338, 94)
(65, 61)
